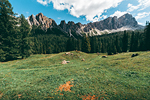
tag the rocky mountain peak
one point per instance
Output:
(127, 19)
(63, 25)
(110, 23)
(40, 19)
(32, 20)
(71, 23)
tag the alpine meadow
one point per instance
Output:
(107, 59)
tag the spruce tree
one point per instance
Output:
(9, 37)
(125, 42)
(79, 45)
(109, 48)
(136, 42)
(24, 42)
(132, 43)
(117, 44)
(93, 44)
(86, 47)
(147, 36)
(36, 46)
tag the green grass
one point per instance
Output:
(118, 77)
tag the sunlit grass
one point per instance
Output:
(39, 77)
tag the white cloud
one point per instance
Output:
(143, 4)
(87, 8)
(104, 16)
(132, 8)
(140, 23)
(142, 15)
(118, 14)
(45, 2)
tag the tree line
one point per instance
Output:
(19, 40)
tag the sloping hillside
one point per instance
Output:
(44, 77)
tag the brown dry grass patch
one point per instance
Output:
(65, 87)
(89, 97)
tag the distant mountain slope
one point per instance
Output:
(108, 25)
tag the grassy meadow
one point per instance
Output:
(43, 77)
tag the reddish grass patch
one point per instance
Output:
(1, 95)
(65, 87)
(89, 97)
(19, 95)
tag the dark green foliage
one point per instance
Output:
(132, 43)
(95, 44)
(47, 44)
(125, 42)
(147, 36)
(9, 37)
(24, 42)
(79, 45)
(109, 49)
(2, 55)
(86, 47)
(70, 44)
(117, 43)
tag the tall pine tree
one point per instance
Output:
(132, 43)
(147, 36)
(125, 42)
(9, 37)
(86, 47)
(24, 42)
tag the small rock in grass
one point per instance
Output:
(67, 53)
(65, 62)
(83, 60)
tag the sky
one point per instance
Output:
(83, 11)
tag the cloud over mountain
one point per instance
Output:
(143, 4)
(118, 14)
(142, 15)
(92, 10)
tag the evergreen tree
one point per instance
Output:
(125, 42)
(24, 42)
(132, 43)
(69, 45)
(9, 37)
(79, 45)
(147, 36)
(114, 50)
(109, 48)
(117, 43)
(36, 46)
(86, 47)
(99, 46)
(93, 44)
(136, 42)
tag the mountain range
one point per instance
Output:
(108, 25)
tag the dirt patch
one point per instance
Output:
(66, 87)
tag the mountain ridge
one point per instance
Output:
(108, 25)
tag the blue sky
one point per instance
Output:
(83, 11)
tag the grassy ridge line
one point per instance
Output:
(116, 77)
